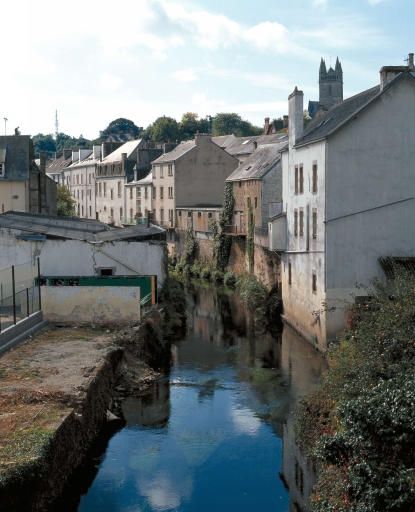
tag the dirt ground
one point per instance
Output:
(40, 382)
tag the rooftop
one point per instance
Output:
(128, 147)
(259, 163)
(176, 153)
(73, 228)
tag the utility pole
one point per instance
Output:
(5, 124)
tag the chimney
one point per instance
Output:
(411, 62)
(135, 174)
(42, 162)
(75, 156)
(123, 161)
(295, 114)
(96, 152)
(202, 138)
(285, 121)
(266, 125)
(67, 153)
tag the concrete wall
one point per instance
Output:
(370, 165)
(91, 304)
(201, 174)
(75, 257)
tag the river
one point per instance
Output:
(216, 434)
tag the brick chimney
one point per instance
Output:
(388, 73)
(285, 121)
(295, 114)
(202, 138)
(266, 125)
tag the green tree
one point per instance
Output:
(122, 130)
(65, 202)
(165, 129)
(64, 141)
(43, 143)
(190, 124)
(228, 123)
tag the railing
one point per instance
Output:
(19, 294)
(235, 230)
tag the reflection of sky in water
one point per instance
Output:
(216, 452)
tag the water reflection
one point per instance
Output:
(215, 434)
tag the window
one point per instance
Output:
(161, 193)
(314, 178)
(301, 180)
(199, 214)
(120, 213)
(112, 193)
(131, 213)
(131, 192)
(189, 214)
(105, 208)
(301, 222)
(82, 210)
(145, 192)
(289, 274)
(106, 271)
(240, 184)
(154, 192)
(82, 179)
(180, 213)
(210, 215)
(170, 214)
(89, 178)
(296, 222)
(249, 201)
(105, 190)
(161, 171)
(82, 194)
(119, 188)
(77, 193)
(314, 283)
(170, 192)
(314, 224)
(296, 180)
(112, 213)
(138, 192)
(77, 179)
(100, 190)
(90, 211)
(161, 214)
(170, 170)
(256, 202)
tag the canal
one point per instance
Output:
(216, 434)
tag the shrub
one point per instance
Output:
(196, 269)
(229, 279)
(217, 276)
(253, 292)
(206, 273)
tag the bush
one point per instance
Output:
(206, 273)
(229, 279)
(217, 276)
(180, 267)
(253, 292)
(196, 269)
(361, 422)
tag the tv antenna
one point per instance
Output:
(56, 124)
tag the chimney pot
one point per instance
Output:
(411, 62)
(295, 114)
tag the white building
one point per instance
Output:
(79, 177)
(138, 199)
(348, 199)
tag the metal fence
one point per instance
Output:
(19, 294)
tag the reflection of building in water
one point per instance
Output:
(150, 410)
(302, 366)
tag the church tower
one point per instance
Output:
(330, 85)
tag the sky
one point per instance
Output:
(97, 60)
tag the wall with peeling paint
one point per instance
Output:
(91, 304)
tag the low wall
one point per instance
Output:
(91, 304)
(14, 334)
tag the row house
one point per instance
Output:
(191, 175)
(349, 201)
(79, 178)
(138, 199)
(257, 185)
(56, 166)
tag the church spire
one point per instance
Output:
(323, 69)
(338, 67)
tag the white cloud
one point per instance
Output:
(245, 422)
(185, 75)
(319, 3)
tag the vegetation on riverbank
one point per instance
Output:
(360, 424)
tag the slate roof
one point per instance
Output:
(176, 153)
(144, 181)
(128, 147)
(16, 153)
(246, 145)
(58, 164)
(259, 163)
(73, 228)
(223, 141)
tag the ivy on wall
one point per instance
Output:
(250, 238)
(190, 247)
(221, 242)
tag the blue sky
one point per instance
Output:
(98, 60)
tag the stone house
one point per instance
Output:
(348, 198)
(257, 183)
(24, 186)
(192, 174)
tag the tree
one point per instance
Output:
(190, 124)
(228, 123)
(121, 130)
(65, 202)
(165, 129)
(64, 141)
(43, 143)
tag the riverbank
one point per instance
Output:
(57, 391)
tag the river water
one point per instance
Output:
(216, 435)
